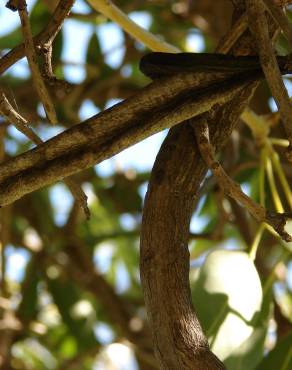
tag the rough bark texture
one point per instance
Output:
(178, 172)
(159, 105)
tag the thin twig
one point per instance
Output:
(47, 50)
(280, 17)
(233, 35)
(32, 61)
(22, 125)
(17, 120)
(107, 8)
(46, 36)
(231, 188)
(259, 28)
(79, 195)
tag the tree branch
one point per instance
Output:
(6, 110)
(164, 259)
(232, 188)
(46, 36)
(160, 105)
(259, 27)
(176, 178)
(37, 79)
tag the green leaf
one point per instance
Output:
(39, 17)
(94, 53)
(65, 295)
(12, 39)
(28, 306)
(94, 57)
(280, 358)
(228, 299)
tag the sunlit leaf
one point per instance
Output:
(65, 295)
(227, 297)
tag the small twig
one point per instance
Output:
(107, 8)
(48, 34)
(280, 17)
(231, 188)
(22, 125)
(259, 28)
(47, 50)
(79, 195)
(17, 120)
(233, 35)
(32, 61)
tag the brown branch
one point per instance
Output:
(176, 177)
(177, 174)
(47, 53)
(46, 36)
(32, 61)
(6, 110)
(259, 28)
(280, 17)
(232, 188)
(164, 258)
(228, 41)
(160, 105)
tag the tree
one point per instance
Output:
(79, 303)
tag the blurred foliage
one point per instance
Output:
(75, 302)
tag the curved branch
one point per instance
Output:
(178, 172)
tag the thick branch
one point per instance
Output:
(160, 105)
(177, 174)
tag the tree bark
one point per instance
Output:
(179, 341)
(160, 105)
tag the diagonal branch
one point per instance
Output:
(160, 105)
(37, 79)
(280, 17)
(46, 36)
(232, 188)
(6, 110)
(164, 259)
(259, 27)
